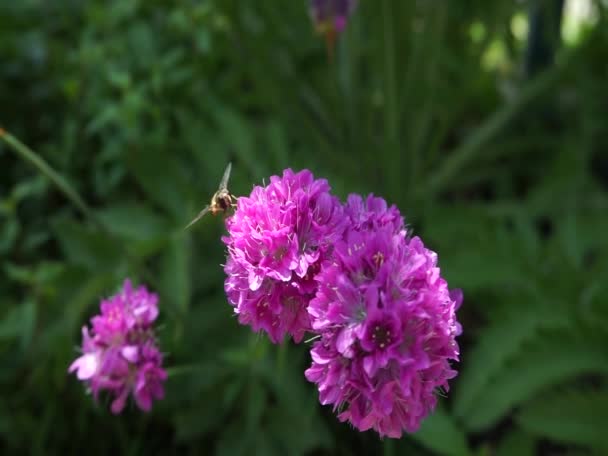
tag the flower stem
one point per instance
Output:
(389, 447)
(281, 359)
(177, 371)
(473, 146)
(389, 73)
(71, 194)
(42, 166)
(393, 147)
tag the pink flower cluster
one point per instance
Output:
(120, 354)
(387, 324)
(277, 240)
(300, 261)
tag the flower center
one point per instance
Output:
(312, 271)
(381, 336)
(280, 253)
(114, 316)
(261, 308)
(378, 258)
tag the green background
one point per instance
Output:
(484, 121)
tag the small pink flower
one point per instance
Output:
(120, 356)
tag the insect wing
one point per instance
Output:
(198, 217)
(225, 177)
(223, 186)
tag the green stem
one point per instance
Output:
(33, 158)
(389, 72)
(473, 145)
(43, 167)
(389, 447)
(392, 160)
(177, 371)
(281, 359)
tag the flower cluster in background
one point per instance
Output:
(120, 353)
(300, 261)
(330, 18)
(331, 15)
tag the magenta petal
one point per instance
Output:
(119, 403)
(456, 296)
(255, 280)
(144, 401)
(318, 358)
(86, 366)
(369, 365)
(346, 338)
(130, 353)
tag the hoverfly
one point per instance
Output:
(221, 200)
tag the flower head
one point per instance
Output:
(120, 354)
(277, 239)
(387, 324)
(331, 15)
(372, 213)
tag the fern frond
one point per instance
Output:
(497, 344)
(440, 433)
(574, 417)
(548, 361)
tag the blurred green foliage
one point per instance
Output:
(140, 105)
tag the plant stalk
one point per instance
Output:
(41, 165)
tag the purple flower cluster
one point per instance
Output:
(331, 15)
(300, 261)
(277, 240)
(387, 324)
(120, 355)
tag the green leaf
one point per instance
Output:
(575, 417)
(27, 323)
(440, 433)
(471, 270)
(239, 135)
(108, 115)
(194, 422)
(19, 323)
(497, 343)
(87, 246)
(294, 416)
(542, 364)
(134, 222)
(472, 147)
(256, 403)
(163, 179)
(41, 275)
(233, 443)
(9, 231)
(176, 279)
(278, 144)
(18, 273)
(465, 266)
(516, 442)
(80, 291)
(87, 293)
